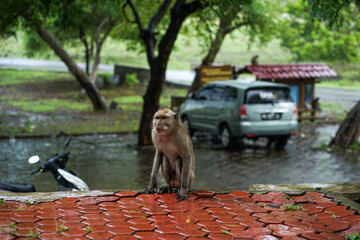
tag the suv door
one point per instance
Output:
(198, 110)
(214, 108)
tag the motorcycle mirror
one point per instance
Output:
(34, 159)
(68, 140)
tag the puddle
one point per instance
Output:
(107, 162)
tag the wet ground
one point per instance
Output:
(109, 162)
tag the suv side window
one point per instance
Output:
(230, 94)
(217, 93)
(204, 94)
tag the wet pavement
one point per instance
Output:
(109, 162)
(205, 215)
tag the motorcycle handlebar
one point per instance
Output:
(36, 171)
(57, 161)
(58, 156)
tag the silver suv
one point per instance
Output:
(235, 109)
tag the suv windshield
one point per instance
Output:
(267, 95)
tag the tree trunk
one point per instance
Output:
(151, 101)
(158, 64)
(98, 101)
(99, 44)
(349, 130)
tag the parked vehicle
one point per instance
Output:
(235, 109)
(66, 179)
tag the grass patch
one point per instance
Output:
(291, 207)
(60, 228)
(334, 110)
(10, 76)
(33, 234)
(50, 105)
(55, 106)
(88, 229)
(344, 84)
(324, 146)
(355, 146)
(129, 99)
(354, 236)
(12, 231)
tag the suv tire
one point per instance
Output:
(281, 142)
(225, 137)
(185, 120)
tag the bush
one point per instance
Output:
(131, 79)
(107, 81)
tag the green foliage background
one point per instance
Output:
(309, 39)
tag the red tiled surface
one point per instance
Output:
(205, 215)
(291, 71)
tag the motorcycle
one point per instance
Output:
(66, 179)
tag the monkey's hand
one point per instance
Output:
(150, 190)
(181, 195)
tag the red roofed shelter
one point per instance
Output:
(300, 76)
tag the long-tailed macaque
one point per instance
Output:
(174, 154)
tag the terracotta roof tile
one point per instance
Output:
(292, 71)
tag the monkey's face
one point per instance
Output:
(164, 121)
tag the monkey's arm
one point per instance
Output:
(156, 165)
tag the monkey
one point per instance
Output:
(174, 154)
(254, 60)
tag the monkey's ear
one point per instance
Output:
(176, 116)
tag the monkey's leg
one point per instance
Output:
(185, 175)
(166, 172)
(176, 182)
(156, 165)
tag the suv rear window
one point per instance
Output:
(267, 95)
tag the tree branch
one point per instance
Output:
(207, 26)
(100, 43)
(87, 51)
(159, 15)
(179, 12)
(237, 26)
(98, 29)
(149, 34)
(137, 18)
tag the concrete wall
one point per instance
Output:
(143, 74)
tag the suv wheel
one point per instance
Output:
(225, 137)
(281, 142)
(186, 123)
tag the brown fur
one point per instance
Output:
(174, 154)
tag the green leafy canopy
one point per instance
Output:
(309, 38)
